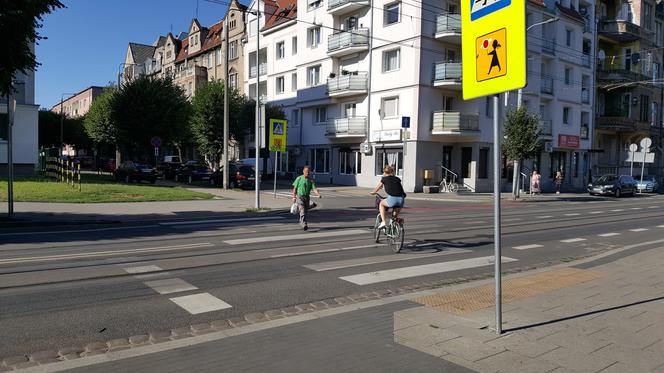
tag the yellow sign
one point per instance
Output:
(497, 62)
(277, 135)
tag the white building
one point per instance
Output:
(25, 130)
(315, 61)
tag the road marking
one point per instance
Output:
(513, 219)
(103, 253)
(571, 240)
(421, 270)
(474, 222)
(526, 247)
(324, 251)
(200, 303)
(234, 220)
(545, 217)
(617, 210)
(638, 230)
(339, 264)
(596, 212)
(660, 226)
(77, 230)
(572, 214)
(653, 207)
(170, 285)
(142, 269)
(636, 208)
(609, 234)
(295, 237)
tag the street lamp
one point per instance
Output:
(62, 119)
(520, 91)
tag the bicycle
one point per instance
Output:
(448, 186)
(394, 230)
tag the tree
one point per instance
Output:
(98, 121)
(148, 107)
(19, 21)
(521, 139)
(73, 130)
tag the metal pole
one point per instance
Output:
(257, 182)
(496, 212)
(371, 28)
(226, 113)
(11, 104)
(274, 171)
(62, 119)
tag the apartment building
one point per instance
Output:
(78, 104)
(629, 103)
(347, 73)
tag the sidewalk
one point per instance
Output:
(603, 314)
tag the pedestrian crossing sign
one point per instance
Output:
(495, 62)
(277, 135)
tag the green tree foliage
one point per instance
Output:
(98, 121)
(146, 107)
(72, 128)
(19, 21)
(521, 134)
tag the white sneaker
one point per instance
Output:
(381, 225)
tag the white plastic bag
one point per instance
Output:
(294, 209)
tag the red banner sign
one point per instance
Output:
(568, 141)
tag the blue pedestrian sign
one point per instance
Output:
(481, 8)
(405, 122)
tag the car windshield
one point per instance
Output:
(141, 166)
(247, 170)
(645, 178)
(606, 179)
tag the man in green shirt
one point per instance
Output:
(302, 187)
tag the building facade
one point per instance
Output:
(78, 104)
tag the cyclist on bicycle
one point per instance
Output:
(395, 194)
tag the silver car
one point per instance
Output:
(648, 185)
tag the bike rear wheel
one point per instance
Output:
(452, 187)
(396, 237)
(376, 231)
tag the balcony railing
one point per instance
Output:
(348, 39)
(448, 23)
(450, 121)
(584, 131)
(585, 95)
(191, 71)
(352, 83)
(546, 126)
(546, 85)
(549, 46)
(334, 5)
(623, 30)
(585, 60)
(621, 74)
(345, 127)
(447, 71)
(252, 70)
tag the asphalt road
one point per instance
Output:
(86, 284)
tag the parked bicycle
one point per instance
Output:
(393, 230)
(448, 186)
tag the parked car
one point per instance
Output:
(613, 185)
(107, 165)
(168, 169)
(132, 171)
(239, 176)
(648, 185)
(193, 171)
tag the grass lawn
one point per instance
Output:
(94, 188)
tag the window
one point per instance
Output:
(232, 80)
(232, 24)
(488, 107)
(389, 107)
(4, 125)
(319, 160)
(313, 37)
(294, 82)
(349, 110)
(644, 108)
(350, 162)
(294, 45)
(279, 85)
(568, 37)
(218, 56)
(392, 13)
(568, 76)
(210, 60)
(566, 115)
(281, 50)
(484, 164)
(252, 27)
(313, 75)
(393, 157)
(169, 54)
(647, 16)
(295, 118)
(232, 49)
(391, 60)
(313, 4)
(320, 115)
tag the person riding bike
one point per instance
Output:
(395, 194)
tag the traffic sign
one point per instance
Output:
(277, 135)
(156, 141)
(405, 122)
(496, 60)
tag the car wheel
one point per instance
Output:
(231, 185)
(127, 179)
(212, 181)
(190, 180)
(617, 193)
(177, 179)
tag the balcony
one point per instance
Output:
(585, 60)
(623, 31)
(263, 70)
(584, 131)
(348, 42)
(585, 95)
(350, 84)
(549, 46)
(546, 85)
(198, 71)
(621, 74)
(346, 127)
(616, 120)
(448, 28)
(546, 126)
(447, 74)
(339, 7)
(449, 122)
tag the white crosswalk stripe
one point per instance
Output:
(572, 240)
(170, 285)
(609, 234)
(307, 236)
(200, 303)
(356, 262)
(573, 214)
(421, 270)
(527, 247)
(142, 269)
(638, 230)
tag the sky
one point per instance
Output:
(88, 40)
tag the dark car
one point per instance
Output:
(133, 171)
(168, 169)
(193, 171)
(239, 176)
(613, 185)
(107, 165)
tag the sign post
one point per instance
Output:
(494, 61)
(156, 142)
(645, 148)
(277, 144)
(632, 149)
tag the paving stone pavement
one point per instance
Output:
(611, 324)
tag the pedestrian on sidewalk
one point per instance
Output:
(558, 180)
(535, 182)
(302, 187)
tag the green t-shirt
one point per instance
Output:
(303, 186)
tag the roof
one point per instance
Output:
(212, 40)
(571, 13)
(284, 11)
(141, 52)
(160, 42)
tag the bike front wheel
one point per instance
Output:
(452, 187)
(396, 238)
(376, 231)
